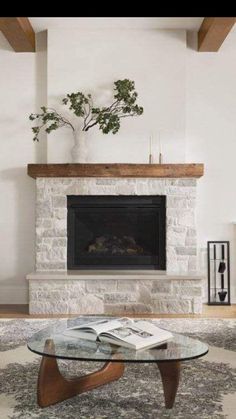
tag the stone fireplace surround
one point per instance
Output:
(53, 289)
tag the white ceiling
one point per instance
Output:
(187, 23)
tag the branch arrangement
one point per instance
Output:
(107, 118)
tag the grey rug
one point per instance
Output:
(207, 388)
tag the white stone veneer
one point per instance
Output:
(51, 216)
(51, 292)
(113, 294)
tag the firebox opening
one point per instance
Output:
(116, 232)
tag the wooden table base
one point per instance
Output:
(54, 388)
(170, 374)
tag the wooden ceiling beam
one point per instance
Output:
(19, 33)
(213, 32)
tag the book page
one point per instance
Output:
(102, 325)
(138, 334)
(156, 331)
(126, 332)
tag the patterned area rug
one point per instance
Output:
(207, 388)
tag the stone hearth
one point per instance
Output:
(114, 292)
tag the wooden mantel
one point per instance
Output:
(191, 170)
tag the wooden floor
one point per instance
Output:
(22, 311)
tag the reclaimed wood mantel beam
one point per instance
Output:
(192, 170)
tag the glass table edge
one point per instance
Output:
(119, 360)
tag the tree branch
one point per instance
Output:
(126, 116)
(88, 114)
(66, 122)
(90, 126)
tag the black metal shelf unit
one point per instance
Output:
(218, 257)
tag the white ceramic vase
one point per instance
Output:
(79, 151)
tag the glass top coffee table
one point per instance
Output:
(52, 344)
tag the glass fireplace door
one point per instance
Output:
(116, 233)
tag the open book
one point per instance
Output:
(133, 334)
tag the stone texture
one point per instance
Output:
(182, 263)
(127, 308)
(192, 263)
(100, 181)
(53, 232)
(59, 201)
(180, 200)
(48, 307)
(44, 222)
(60, 242)
(186, 250)
(197, 305)
(115, 296)
(101, 286)
(144, 294)
(60, 224)
(176, 236)
(86, 305)
(56, 254)
(172, 306)
(161, 287)
(187, 182)
(44, 208)
(188, 192)
(60, 213)
(83, 296)
(119, 297)
(41, 248)
(187, 291)
(187, 282)
(129, 285)
(191, 241)
(50, 266)
(191, 232)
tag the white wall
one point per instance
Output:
(90, 61)
(211, 139)
(17, 190)
(180, 90)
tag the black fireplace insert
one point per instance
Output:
(116, 232)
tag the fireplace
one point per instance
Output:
(116, 232)
(146, 210)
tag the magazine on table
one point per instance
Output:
(130, 333)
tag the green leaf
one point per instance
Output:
(81, 105)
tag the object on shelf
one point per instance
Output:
(150, 159)
(150, 150)
(218, 272)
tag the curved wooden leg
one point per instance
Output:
(170, 373)
(54, 388)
